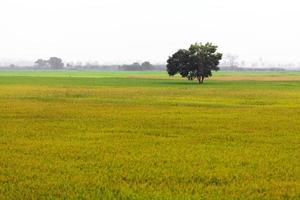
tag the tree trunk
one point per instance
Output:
(200, 79)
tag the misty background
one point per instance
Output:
(257, 33)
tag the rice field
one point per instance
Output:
(144, 135)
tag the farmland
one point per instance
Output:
(144, 135)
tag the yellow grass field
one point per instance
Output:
(143, 135)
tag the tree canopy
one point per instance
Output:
(196, 62)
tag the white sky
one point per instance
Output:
(116, 31)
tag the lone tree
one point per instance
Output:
(196, 62)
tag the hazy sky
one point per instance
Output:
(116, 31)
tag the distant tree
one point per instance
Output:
(133, 67)
(41, 63)
(12, 66)
(196, 62)
(231, 60)
(243, 63)
(147, 66)
(137, 66)
(55, 63)
(69, 65)
(78, 64)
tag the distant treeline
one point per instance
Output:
(251, 69)
(145, 66)
(55, 63)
